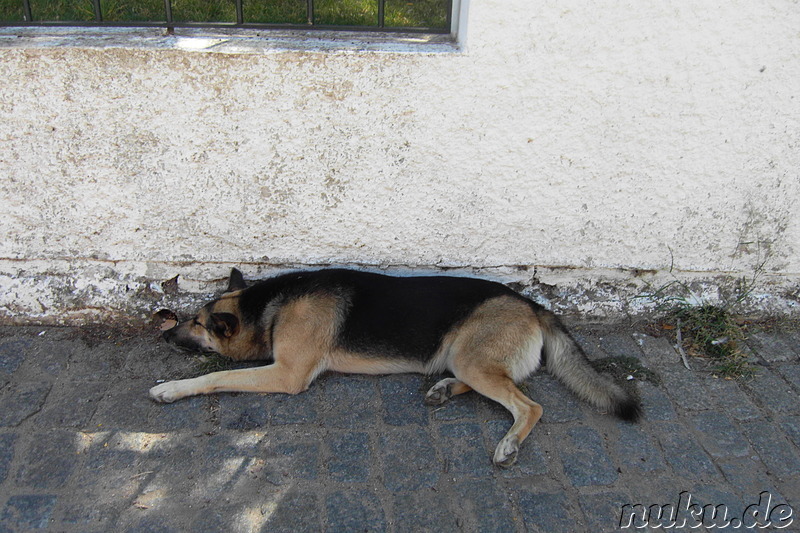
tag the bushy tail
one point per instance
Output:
(566, 361)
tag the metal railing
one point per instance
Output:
(170, 23)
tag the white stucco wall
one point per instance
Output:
(567, 142)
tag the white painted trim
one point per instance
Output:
(224, 41)
(460, 19)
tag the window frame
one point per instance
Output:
(171, 25)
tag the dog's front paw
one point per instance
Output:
(506, 453)
(440, 393)
(166, 392)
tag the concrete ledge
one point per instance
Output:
(86, 291)
(224, 40)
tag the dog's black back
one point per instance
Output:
(404, 316)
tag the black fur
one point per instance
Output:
(629, 410)
(405, 316)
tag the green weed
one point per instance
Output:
(712, 331)
(212, 362)
(709, 330)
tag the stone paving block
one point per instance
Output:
(403, 402)
(129, 408)
(291, 409)
(188, 413)
(655, 403)
(531, 459)
(409, 458)
(728, 395)
(12, 354)
(49, 357)
(656, 491)
(244, 412)
(683, 453)
(220, 446)
(458, 407)
(49, 461)
(351, 457)
(721, 510)
(293, 459)
(685, 388)
(773, 392)
(658, 351)
(134, 520)
(102, 362)
(558, 403)
(72, 404)
(7, 441)
(153, 359)
(588, 337)
(358, 510)
(86, 514)
(603, 510)
(588, 463)
(790, 425)
(621, 345)
(790, 489)
(772, 447)
(719, 436)
(114, 466)
(547, 512)
(463, 450)
(294, 511)
(426, 510)
(27, 512)
(790, 372)
(174, 457)
(746, 475)
(215, 517)
(349, 401)
(636, 449)
(774, 346)
(21, 401)
(480, 502)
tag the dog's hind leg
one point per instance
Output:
(499, 387)
(444, 390)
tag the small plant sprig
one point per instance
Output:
(708, 330)
(712, 331)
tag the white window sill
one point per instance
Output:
(224, 40)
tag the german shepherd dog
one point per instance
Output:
(305, 323)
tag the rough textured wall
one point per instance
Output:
(590, 136)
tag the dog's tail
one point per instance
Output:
(566, 360)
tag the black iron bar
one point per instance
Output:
(239, 12)
(449, 15)
(26, 11)
(168, 15)
(381, 13)
(310, 12)
(98, 13)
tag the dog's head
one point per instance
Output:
(216, 326)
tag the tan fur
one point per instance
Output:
(488, 352)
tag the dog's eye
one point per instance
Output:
(197, 323)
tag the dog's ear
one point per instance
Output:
(236, 281)
(224, 324)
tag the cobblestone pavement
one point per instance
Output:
(82, 448)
